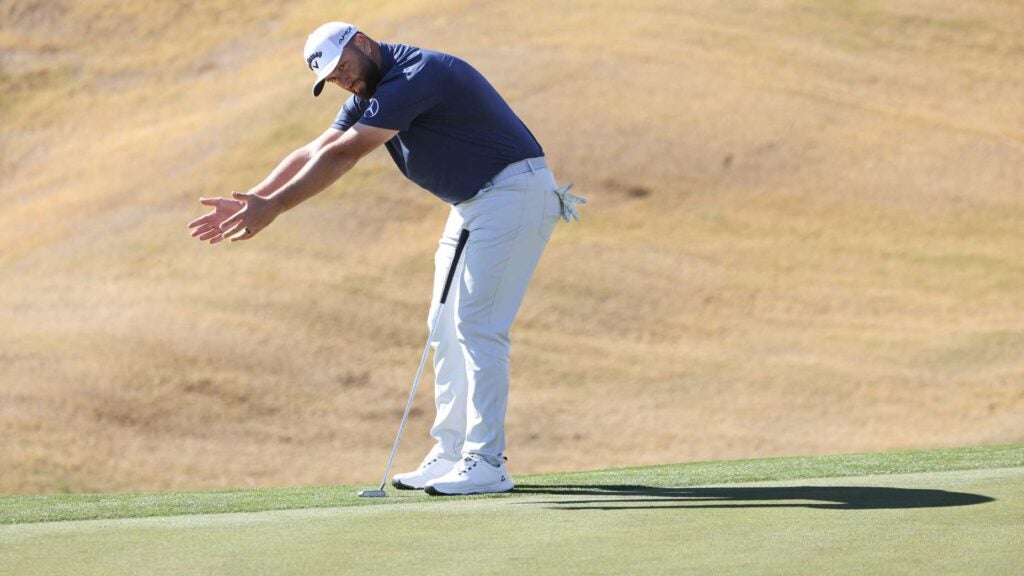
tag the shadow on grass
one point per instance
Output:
(632, 497)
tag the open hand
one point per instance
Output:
(207, 227)
(256, 214)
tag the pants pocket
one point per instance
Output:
(552, 211)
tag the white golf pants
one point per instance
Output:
(510, 221)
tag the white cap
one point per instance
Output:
(323, 50)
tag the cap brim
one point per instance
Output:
(321, 78)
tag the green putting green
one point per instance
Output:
(930, 512)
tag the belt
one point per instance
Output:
(517, 168)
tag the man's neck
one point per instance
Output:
(375, 52)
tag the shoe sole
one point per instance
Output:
(435, 492)
(398, 484)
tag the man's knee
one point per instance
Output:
(474, 334)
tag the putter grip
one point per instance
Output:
(463, 238)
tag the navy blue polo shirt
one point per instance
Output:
(455, 132)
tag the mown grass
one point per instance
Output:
(65, 507)
(943, 512)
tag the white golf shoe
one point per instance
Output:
(433, 466)
(471, 475)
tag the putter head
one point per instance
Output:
(372, 494)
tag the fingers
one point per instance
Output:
(202, 230)
(233, 220)
(209, 233)
(245, 234)
(241, 230)
(218, 204)
(209, 227)
(206, 231)
(212, 233)
(236, 224)
(238, 232)
(220, 201)
(201, 220)
(232, 231)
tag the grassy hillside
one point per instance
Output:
(935, 512)
(803, 238)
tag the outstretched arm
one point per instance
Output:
(294, 162)
(327, 165)
(207, 226)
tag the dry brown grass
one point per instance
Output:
(804, 237)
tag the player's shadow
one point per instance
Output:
(633, 497)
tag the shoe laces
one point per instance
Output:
(427, 463)
(467, 464)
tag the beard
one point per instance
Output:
(369, 76)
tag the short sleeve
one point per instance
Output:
(349, 114)
(399, 101)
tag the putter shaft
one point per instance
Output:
(463, 239)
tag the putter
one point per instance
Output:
(379, 493)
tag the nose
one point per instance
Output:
(341, 82)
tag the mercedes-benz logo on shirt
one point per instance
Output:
(372, 109)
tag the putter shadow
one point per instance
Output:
(633, 497)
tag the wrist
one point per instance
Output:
(276, 203)
(261, 191)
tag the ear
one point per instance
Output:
(362, 41)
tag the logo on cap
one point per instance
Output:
(311, 61)
(344, 35)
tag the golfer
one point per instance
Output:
(449, 131)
